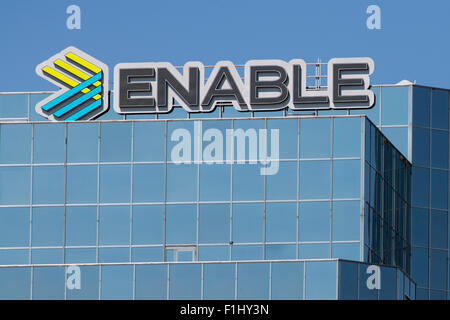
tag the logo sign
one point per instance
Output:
(84, 86)
(155, 87)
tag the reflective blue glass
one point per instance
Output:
(246, 252)
(248, 222)
(148, 224)
(439, 227)
(348, 281)
(15, 143)
(218, 281)
(283, 184)
(288, 135)
(15, 283)
(111, 255)
(281, 221)
(419, 266)
(185, 281)
(117, 282)
(394, 105)
(421, 106)
(82, 142)
(82, 184)
(346, 220)
(181, 224)
(115, 141)
(321, 280)
(148, 183)
(314, 251)
(281, 251)
(49, 143)
(34, 99)
(314, 222)
(364, 292)
(253, 281)
(349, 251)
(14, 227)
(398, 137)
(214, 224)
(213, 253)
(147, 254)
(421, 146)
(388, 286)
(81, 226)
(14, 185)
(248, 182)
(149, 140)
(210, 175)
(18, 256)
(287, 280)
(182, 182)
(315, 138)
(180, 141)
(374, 113)
(48, 283)
(114, 225)
(14, 106)
(115, 183)
(151, 282)
(439, 109)
(314, 180)
(419, 224)
(439, 149)
(438, 269)
(88, 284)
(47, 256)
(420, 185)
(439, 189)
(48, 185)
(346, 179)
(47, 226)
(347, 137)
(80, 255)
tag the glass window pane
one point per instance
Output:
(253, 281)
(214, 223)
(439, 117)
(151, 282)
(181, 224)
(421, 106)
(14, 185)
(214, 253)
(47, 226)
(82, 184)
(34, 99)
(14, 106)
(419, 221)
(210, 174)
(218, 281)
(346, 179)
(147, 254)
(439, 149)
(419, 266)
(88, 284)
(288, 135)
(394, 105)
(49, 143)
(398, 137)
(148, 183)
(113, 255)
(14, 227)
(364, 292)
(182, 182)
(374, 113)
(115, 183)
(314, 251)
(82, 142)
(47, 256)
(346, 220)
(48, 283)
(149, 140)
(248, 182)
(421, 146)
(185, 281)
(348, 251)
(315, 138)
(48, 185)
(438, 269)
(148, 225)
(420, 186)
(19, 256)
(388, 286)
(80, 255)
(283, 184)
(248, 222)
(287, 280)
(81, 226)
(247, 252)
(314, 180)
(115, 141)
(439, 227)
(114, 228)
(281, 221)
(281, 251)
(15, 283)
(347, 137)
(15, 143)
(321, 280)
(314, 222)
(117, 283)
(439, 189)
(348, 281)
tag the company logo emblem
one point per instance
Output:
(84, 86)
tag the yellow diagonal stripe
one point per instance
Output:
(83, 62)
(74, 71)
(67, 80)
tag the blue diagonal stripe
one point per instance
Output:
(72, 91)
(85, 111)
(77, 102)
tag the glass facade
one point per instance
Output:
(369, 190)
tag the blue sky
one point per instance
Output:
(413, 43)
